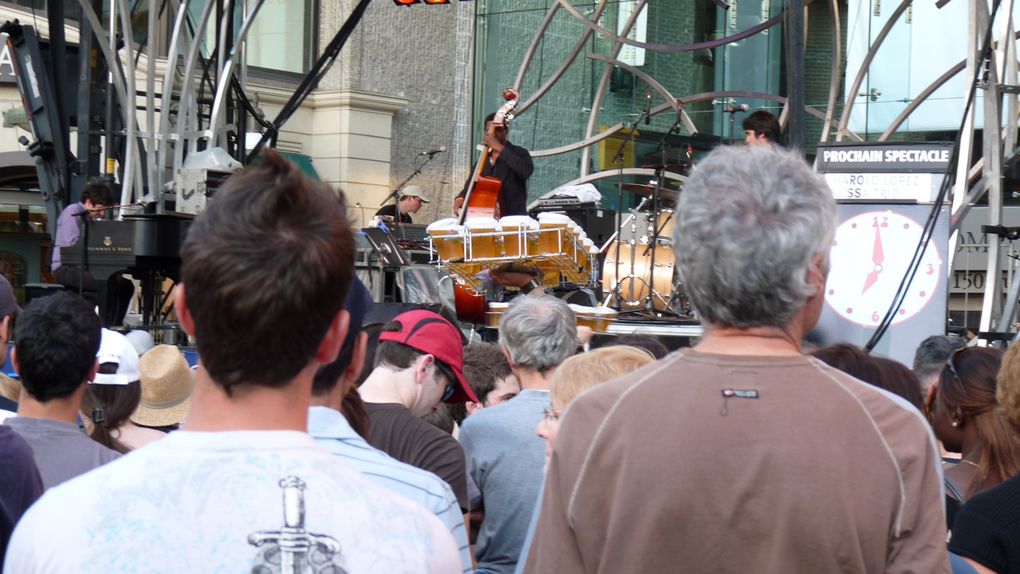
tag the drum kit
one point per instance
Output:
(638, 274)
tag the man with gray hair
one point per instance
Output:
(742, 454)
(504, 455)
(930, 358)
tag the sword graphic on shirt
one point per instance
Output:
(292, 549)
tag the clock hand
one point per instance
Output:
(870, 280)
(877, 257)
(877, 254)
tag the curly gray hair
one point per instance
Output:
(751, 219)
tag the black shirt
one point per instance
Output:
(512, 169)
(395, 430)
(987, 528)
(390, 210)
(20, 484)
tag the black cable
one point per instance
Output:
(929, 225)
(311, 80)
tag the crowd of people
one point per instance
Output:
(302, 441)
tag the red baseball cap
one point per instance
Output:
(429, 333)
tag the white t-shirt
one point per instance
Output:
(200, 502)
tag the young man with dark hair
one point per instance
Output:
(488, 373)
(419, 362)
(329, 427)
(96, 198)
(761, 128)
(55, 356)
(266, 268)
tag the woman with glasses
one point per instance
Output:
(580, 373)
(965, 417)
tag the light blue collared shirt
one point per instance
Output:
(331, 430)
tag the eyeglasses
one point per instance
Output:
(551, 415)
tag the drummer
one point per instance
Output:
(411, 199)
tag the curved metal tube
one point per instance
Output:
(671, 47)
(611, 173)
(526, 62)
(168, 90)
(742, 94)
(564, 66)
(834, 78)
(228, 68)
(131, 154)
(600, 91)
(577, 145)
(652, 84)
(921, 97)
(185, 117)
(865, 65)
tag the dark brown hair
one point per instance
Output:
(763, 123)
(878, 371)
(110, 406)
(353, 409)
(266, 268)
(484, 365)
(974, 394)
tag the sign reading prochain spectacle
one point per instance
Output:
(882, 171)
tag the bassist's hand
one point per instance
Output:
(457, 204)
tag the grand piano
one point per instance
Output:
(148, 247)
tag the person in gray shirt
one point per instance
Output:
(504, 455)
(57, 338)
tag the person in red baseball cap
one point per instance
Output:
(418, 364)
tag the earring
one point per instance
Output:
(956, 424)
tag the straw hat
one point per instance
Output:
(167, 382)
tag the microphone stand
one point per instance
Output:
(618, 160)
(653, 244)
(395, 194)
(86, 217)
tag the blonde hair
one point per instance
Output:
(1007, 392)
(582, 372)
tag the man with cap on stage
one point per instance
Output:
(411, 199)
(419, 363)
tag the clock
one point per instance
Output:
(870, 255)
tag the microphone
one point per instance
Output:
(434, 150)
(743, 107)
(648, 108)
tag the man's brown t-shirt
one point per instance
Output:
(712, 463)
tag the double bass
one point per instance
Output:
(482, 196)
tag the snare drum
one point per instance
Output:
(664, 222)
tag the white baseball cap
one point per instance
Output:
(414, 191)
(116, 348)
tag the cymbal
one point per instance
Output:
(678, 167)
(645, 189)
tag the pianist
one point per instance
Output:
(411, 199)
(96, 197)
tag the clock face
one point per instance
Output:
(869, 258)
